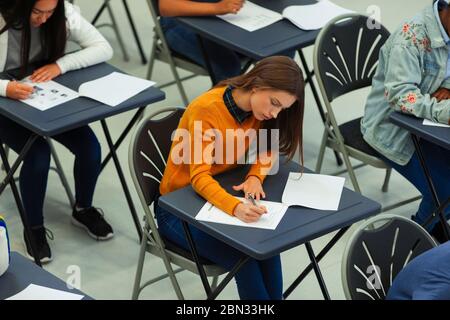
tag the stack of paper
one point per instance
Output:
(427, 122)
(35, 292)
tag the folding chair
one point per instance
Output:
(148, 152)
(345, 60)
(377, 251)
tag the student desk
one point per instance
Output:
(269, 41)
(436, 135)
(300, 225)
(71, 115)
(22, 272)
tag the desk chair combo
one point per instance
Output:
(345, 60)
(148, 152)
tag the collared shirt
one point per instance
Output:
(238, 114)
(444, 36)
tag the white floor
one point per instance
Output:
(107, 269)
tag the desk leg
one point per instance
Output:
(211, 295)
(9, 179)
(122, 179)
(123, 135)
(317, 271)
(431, 186)
(319, 257)
(135, 34)
(309, 78)
(207, 61)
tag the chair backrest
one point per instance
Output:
(150, 149)
(346, 54)
(377, 251)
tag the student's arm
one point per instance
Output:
(403, 73)
(173, 8)
(95, 48)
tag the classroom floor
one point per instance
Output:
(107, 269)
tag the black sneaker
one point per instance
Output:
(91, 219)
(40, 235)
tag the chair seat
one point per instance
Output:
(351, 132)
(182, 252)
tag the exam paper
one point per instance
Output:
(427, 122)
(315, 191)
(252, 17)
(114, 88)
(47, 95)
(270, 220)
(35, 292)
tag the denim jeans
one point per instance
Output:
(437, 159)
(256, 280)
(225, 63)
(82, 142)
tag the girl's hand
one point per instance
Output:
(229, 6)
(46, 73)
(248, 212)
(18, 91)
(441, 94)
(251, 186)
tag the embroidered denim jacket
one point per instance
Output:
(412, 66)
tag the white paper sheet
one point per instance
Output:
(47, 95)
(315, 191)
(269, 220)
(427, 122)
(35, 292)
(314, 16)
(114, 88)
(252, 17)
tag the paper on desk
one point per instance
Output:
(427, 122)
(114, 88)
(252, 17)
(313, 16)
(35, 292)
(270, 220)
(315, 191)
(47, 95)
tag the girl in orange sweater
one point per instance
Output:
(270, 96)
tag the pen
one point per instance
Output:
(250, 197)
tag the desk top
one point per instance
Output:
(437, 135)
(298, 226)
(23, 272)
(77, 112)
(265, 42)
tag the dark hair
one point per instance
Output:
(279, 73)
(17, 15)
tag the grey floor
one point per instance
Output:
(107, 269)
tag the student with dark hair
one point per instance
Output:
(269, 96)
(413, 77)
(35, 32)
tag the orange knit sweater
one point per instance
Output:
(203, 141)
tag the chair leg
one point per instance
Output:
(322, 151)
(140, 265)
(214, 282)
(117, 32)
(60, 172)
(178, 82)
(386, 180)
(151, 60)
(7, 155)
(351, 172)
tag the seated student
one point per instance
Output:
(225, 63)
(36, 31)
(269, 96)
(413, 77)
(426, 277)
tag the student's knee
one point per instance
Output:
(38, 157)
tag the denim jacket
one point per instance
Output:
(412, 66)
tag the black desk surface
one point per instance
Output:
(77, 112)
(298, 226)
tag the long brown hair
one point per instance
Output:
(279, 73)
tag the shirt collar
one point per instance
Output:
(441, 27)
(238, 114)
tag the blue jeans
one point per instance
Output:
(225, 63)
(256, 280)
(437, 159)
(82, 142)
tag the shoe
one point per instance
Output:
(40, 235)
(438, 233)
(91, 219)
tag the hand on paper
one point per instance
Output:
(251, 186)
(441, 94)
(248, 212)
(46, 73)
(18, 91)
(229, 6)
